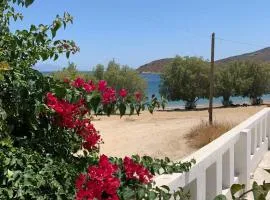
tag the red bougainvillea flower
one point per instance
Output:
(51, 99)
(89, 87)
(67, 113)
(99, 183)
(70, 116)
(138, 96)
(78, 83)
(102, 85)
(136, 171)
(123, 93)
(108, 96)
(91, 141)
(66, 80)
(88, 132)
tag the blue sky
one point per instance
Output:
(137, 32)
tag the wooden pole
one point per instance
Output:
(211, 80)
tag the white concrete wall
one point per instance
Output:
(227, 160)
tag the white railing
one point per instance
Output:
(227, 160)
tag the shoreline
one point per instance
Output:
(205, 107)
(215, 106)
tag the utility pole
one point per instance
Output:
(211, 80)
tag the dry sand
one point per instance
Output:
(161, 134)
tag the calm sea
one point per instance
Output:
(153, 81)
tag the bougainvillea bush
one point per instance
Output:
(106, 178)
(46, 129)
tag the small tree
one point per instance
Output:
(229, 81)
(71, 72)
(99, 72)
(119, 77)
(257, 76)
(185, 78)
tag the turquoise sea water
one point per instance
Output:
(153, 81)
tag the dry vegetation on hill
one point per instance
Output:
(262, 55)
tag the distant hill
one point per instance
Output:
(262, 55)
(154, 66)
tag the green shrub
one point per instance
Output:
(242, 78)
(185, 78)
(71, 72)
(119, 77)
(229, 81)
(25, 174)
(257, 77)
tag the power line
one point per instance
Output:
(221, 39)
(239, 42)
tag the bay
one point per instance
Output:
(153, 82)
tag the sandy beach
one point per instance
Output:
(161, 134)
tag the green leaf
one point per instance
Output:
(44, 56)
(152, 195)
(266, 186)
(10, 174)
(68, 54)
(141, 193)
(128, 193)
(236, 188)
(59, 91)
(131, 109)
(268, 170)
(28, 2)
(167, 159)
(108, 109)
(57, 25)
(165, 187)
(94, 102)
(258, 192)
(33, 28)
(53, 31)
(220, 197)
(150, 108)
(122, 109)
(138, 109)
(56, 56)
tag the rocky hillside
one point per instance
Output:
(154, 66)
(262, 55)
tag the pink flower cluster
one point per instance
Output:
(99, 183)
(67, 112)
(108, 93)
(87, 86)
(123, 93)
(102, 85)
(136, 171)
(138, 96)
(71, 116)
(108, 96)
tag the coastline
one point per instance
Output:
(215, 106)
